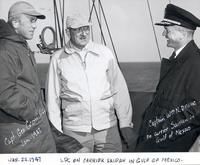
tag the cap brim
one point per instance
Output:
(80, 25)
(36, 14)
(168, 22)
(164, 24)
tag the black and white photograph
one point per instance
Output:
(100, 82)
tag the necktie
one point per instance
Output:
(172, 57)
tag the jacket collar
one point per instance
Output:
(90, 47)
(167, 65)
(189, 50)
(8, 32)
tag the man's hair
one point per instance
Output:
(184, 30)
(13, 18)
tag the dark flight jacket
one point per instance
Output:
(171, 123)
(24, 127)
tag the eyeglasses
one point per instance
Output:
(81, 29)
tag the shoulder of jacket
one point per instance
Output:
(193, 61)
(97, 46)
(57, 54)
(10, 48)
(102, 50)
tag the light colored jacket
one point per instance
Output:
(84, 89)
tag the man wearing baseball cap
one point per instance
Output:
(24, 127)
(171, 122)
(85, 81)
(23, 7)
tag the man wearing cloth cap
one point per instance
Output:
(171, 122)
(86, 82)
(24, 127)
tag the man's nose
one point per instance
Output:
(164, 32)
(34, 25)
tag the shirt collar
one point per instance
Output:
(71, 49)
(179, 50)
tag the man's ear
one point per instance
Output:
(67, 32)
(15, 24)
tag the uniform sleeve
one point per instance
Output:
(53, 95)
(12, 99)
(193, 92)
(193, 83)
(122, 102)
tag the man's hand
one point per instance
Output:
(84, 150)
(129, 136)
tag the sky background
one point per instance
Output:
(129, 23)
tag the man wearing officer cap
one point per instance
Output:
(24, 127)
(85, 81)
(171, 123)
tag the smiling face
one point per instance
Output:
(174, 36)
(80, 36)
(25, 26)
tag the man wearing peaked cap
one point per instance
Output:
(21, 104)
(22, 7)
(77, 20)
(171, 123)
(86, 82)
(175, 15)
(24, 126)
